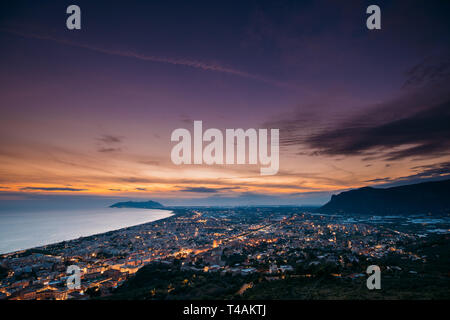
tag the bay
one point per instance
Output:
(29, 229)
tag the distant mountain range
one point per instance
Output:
(421, 198)
(141, 205)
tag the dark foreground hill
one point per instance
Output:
(141, 205)
(421, 198)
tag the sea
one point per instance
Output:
(28, 229)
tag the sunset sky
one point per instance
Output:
(90, 112)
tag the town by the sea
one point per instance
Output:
(27, 229)
(237, 252)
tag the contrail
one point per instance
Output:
(130, 54)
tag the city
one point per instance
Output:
(254, 247)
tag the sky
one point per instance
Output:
(89, 113)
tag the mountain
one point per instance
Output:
(421, 198)
(141, 205)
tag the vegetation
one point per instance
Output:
(400, 279)
(160, 281)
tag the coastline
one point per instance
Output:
(81, 238)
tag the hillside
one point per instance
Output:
(421, 198)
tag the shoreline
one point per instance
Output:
(174, 212)
(45, 246)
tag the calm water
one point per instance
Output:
(28, 229)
